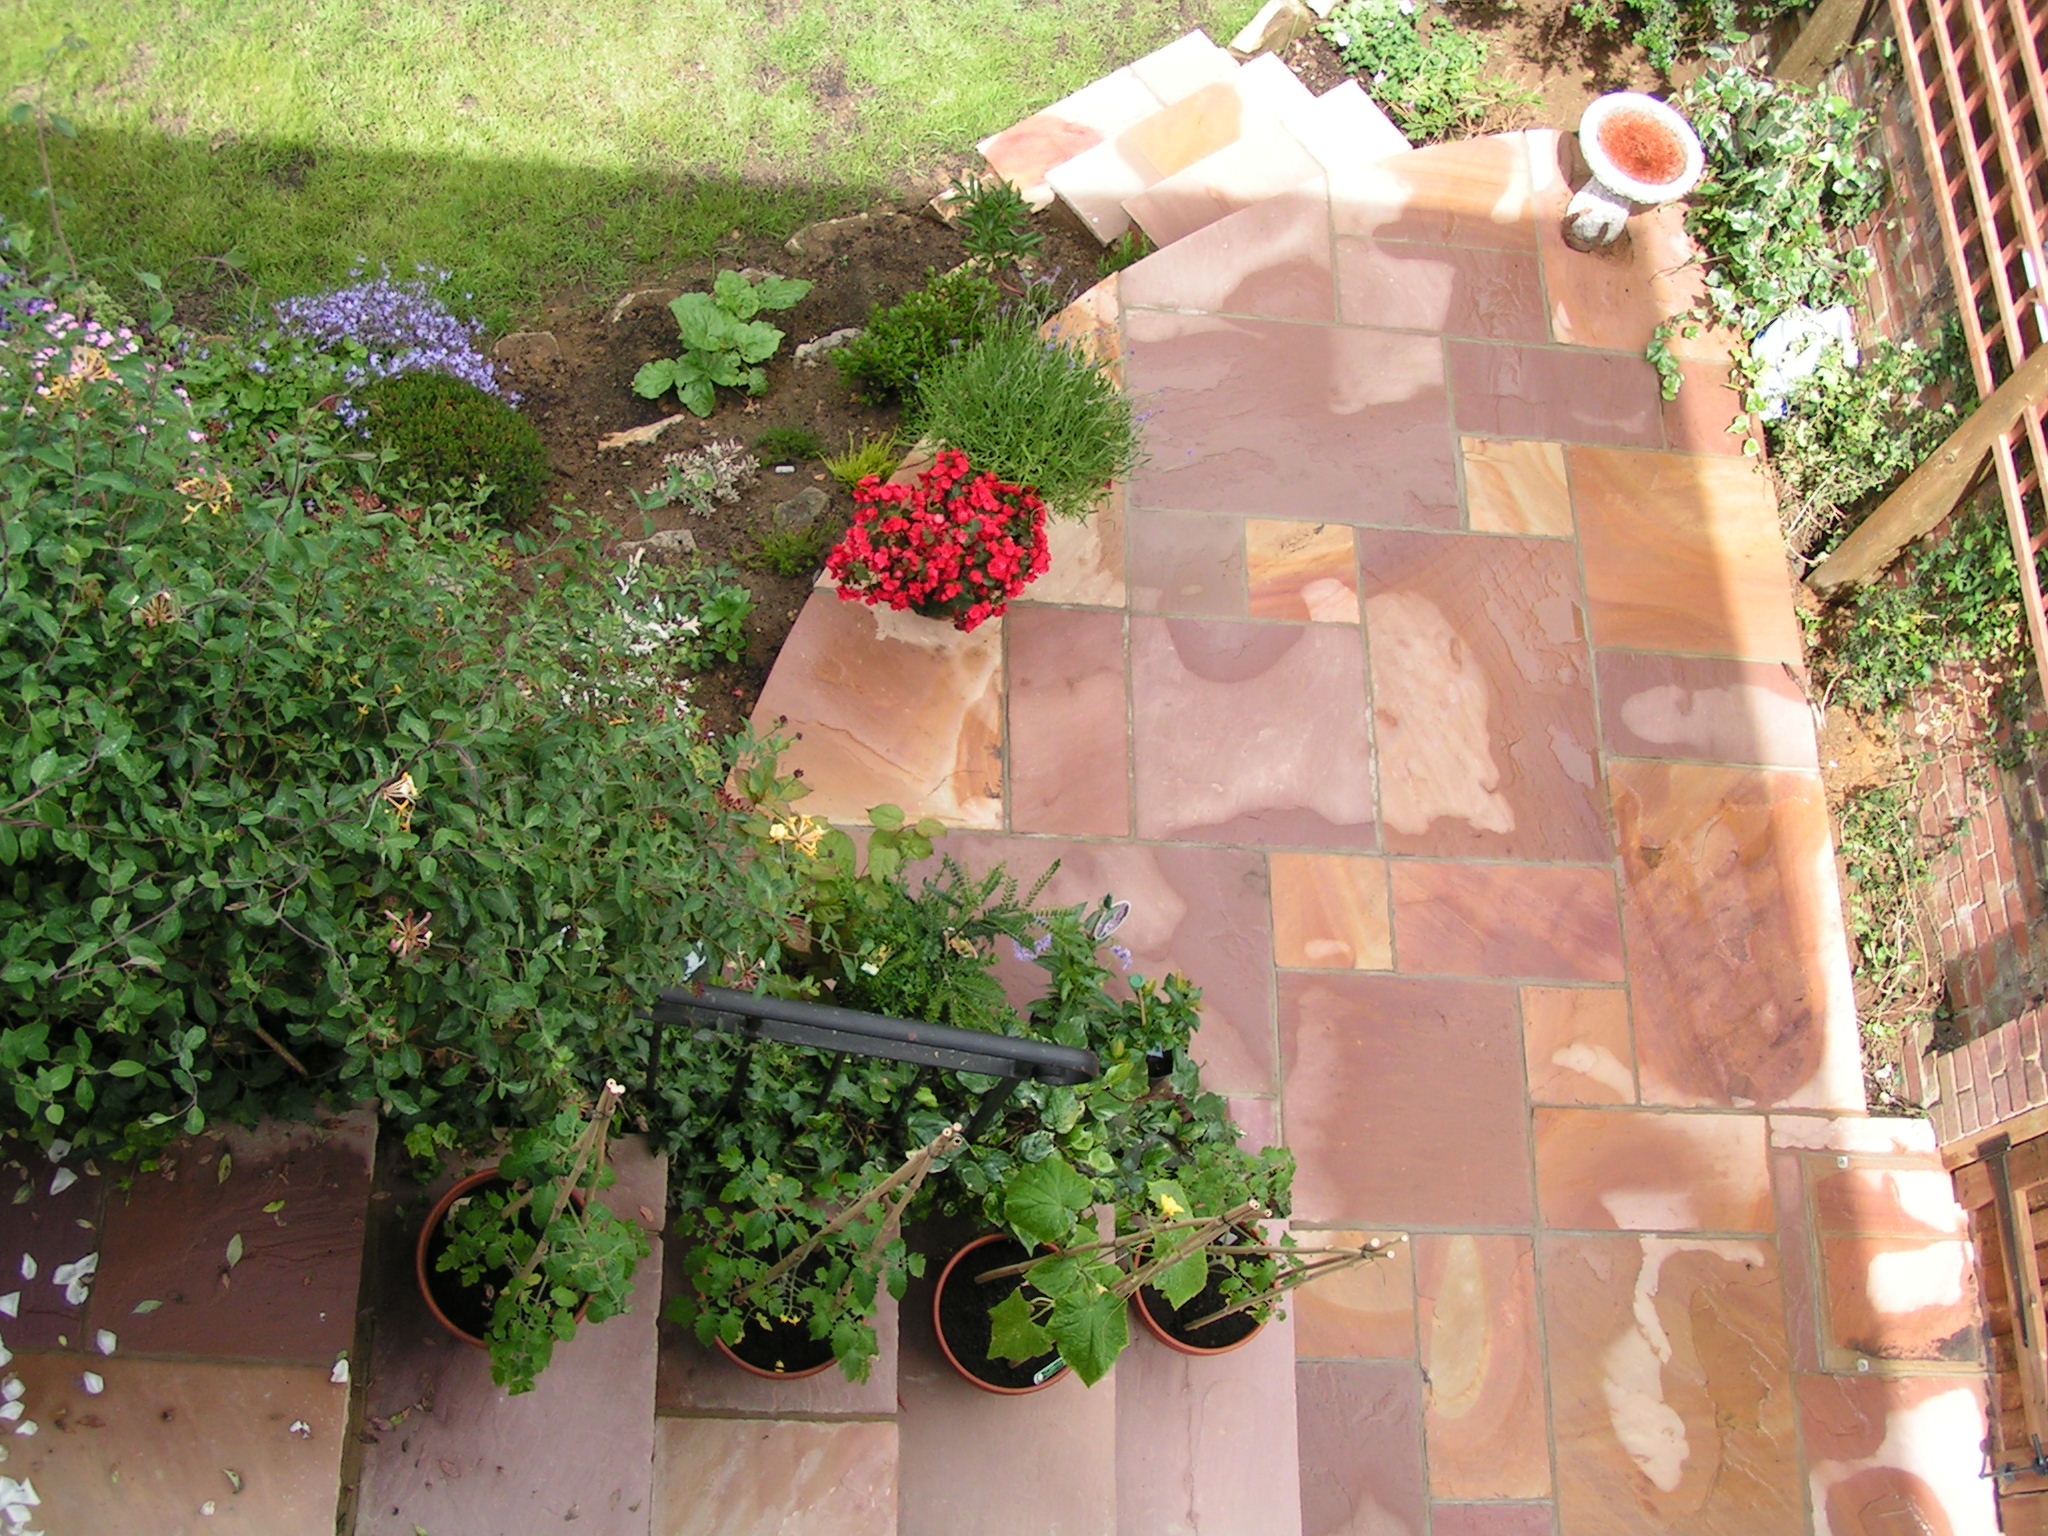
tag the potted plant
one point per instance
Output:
(783, 1292)
(1242, 1283)
(515, 1256)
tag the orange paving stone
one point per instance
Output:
(1649, 1172)
(1484, 1419)
(1447, 919)
(1302, 571)
(1330, 912)
(1516, 487)
(1363, 1313)
(1578, 1045)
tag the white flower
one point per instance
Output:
(9, 1412)
(339, 1375)
(300, 1429)
(76, 1278)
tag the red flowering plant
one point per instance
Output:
(956, 545)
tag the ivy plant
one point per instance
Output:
(723, 343)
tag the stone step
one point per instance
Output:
(1023, 153)
(1096, 184)
(449, 1452)
(1344, 126)
(199, 1379)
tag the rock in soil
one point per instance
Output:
(524, 349)
(633, 437)
(810, 353)
(661, 548)
(801, 511)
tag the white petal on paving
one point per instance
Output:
(28, 1266)
(76, 1278)
(93, 1383)
(104, 1340)
(25, 1427)
(10, 1304)
(339, 1375)
(9, 1412)
(11, 1389)
(300, 1429)
(62, 1181)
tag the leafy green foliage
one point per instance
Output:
(788, 445)
(1428, 76)
(1126, 250)
(305, 800)
(1033, 412)
(723, 343)
(877, 456)
(717, 605)
(447, 436)
(1669, 30)
(794, 553)
(901, 342)
(701, 478)
(1887, 861)
(994, 223)
(541, 1244)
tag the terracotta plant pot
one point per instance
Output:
(443, 1291)
(960, 1319)
(772, 1373)
(1159, 1317)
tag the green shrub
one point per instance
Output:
(877, 456)
(952, 310)
(995, 223)
(446, 435)
(787, 445)
(1668, 30)
(1428, 76)
(794, 553)
(304, 800)
(1033, 411)
(723, 344)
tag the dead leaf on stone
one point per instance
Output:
(633, 437)
(449, 1469)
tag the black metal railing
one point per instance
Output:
(844, 1032)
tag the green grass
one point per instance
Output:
(526, 147)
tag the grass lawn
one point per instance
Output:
(523, 146)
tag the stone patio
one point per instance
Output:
(1434, 695)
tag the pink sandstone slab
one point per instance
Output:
(1447, 1519)
(890, 709)
(1403, 1101)
(1184, 66)
(1853, 1133)
(1317, 424)
(1705, 708)
(1516, 487)
(1798, 1258)
(1884, 1456)
(1188, 1431)
(1482, 697)
(179, 1447)
(1558, 394)
(1360, 1425)
(1579, 1045)
(1475, 192)
(1069, 722)
(1264, 162)
(1534, 921)
(1683, 554)
(1301, 571)
(1187, 563)
(1485, 1421)
(1363, 1313)
(1100, 110)
(1885, 1201)
(1706, 416)
(1086, 566)
(1643, 1171)
(767, 1477)
(1671, 1399)
(1737, 959)
(1344, 127)
(1899, 1299)
(1271, 260)
(1224, 751)
(1446, 290)
(1330, 912)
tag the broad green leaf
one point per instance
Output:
(736, 296)
(887, 817)
(1181, 1283)
(144, 1308)
(1013, 1335)
(1091, 1331)
(698, 397)
(756, 342)
(1043, 1199)
(779, 292)
(234, 1250)
(655, 379)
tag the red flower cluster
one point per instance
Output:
(956, 545)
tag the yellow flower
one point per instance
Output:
(1170, 1207)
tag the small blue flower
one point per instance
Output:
(1123, 956)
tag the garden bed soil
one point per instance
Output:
(962, 1315)
(586, 393)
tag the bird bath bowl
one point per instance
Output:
(1642, 155)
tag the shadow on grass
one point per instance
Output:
(232, 224)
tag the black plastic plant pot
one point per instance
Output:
(960, 1308)
(1170, 1325)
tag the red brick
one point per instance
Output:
(1955, 1072)
(1981, 1067)
(2034, 1081)
(1994, 1048)
(2003, 1107)
(1969, 1114)
(1947, 1127)
(1914, 1079)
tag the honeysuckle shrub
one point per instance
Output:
(306, 795)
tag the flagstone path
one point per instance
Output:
(1434, 695)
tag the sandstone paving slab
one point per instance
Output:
(1447, 290)
(1798, 1260)
(1187, 563)
(1086, 559)
(1271, 261)
(1899, 1300)
(1325, 424)
(1344, 127)
(291, 1294)
(1670, 1392)
(1883, 1455)
(53, 1232)
(1475, 192)
(1363, 1313)
(1683, 554)
(1482, 698)
(1188, 1429)
(1069, 721)
(153, 1450)
(1353, 1481)
(1516, 487)
(1644, 1171)
(1485, 1420)
(1737, 959)
(1448, 920)
(1880, 1135)
(1882, 1200)
(1264, 162)
(1404, 1101)
(1100, 110)
(1706, 415)
(1302, 571)
(1560, 394)
(768, 1477)
(1460, 1519)
(1223, 751)
(1704, 708)
(452, 1453)
(1579, 1045)
(891, 709)
(1184, 66)
(1331, 912)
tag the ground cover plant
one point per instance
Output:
(1428, 74)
